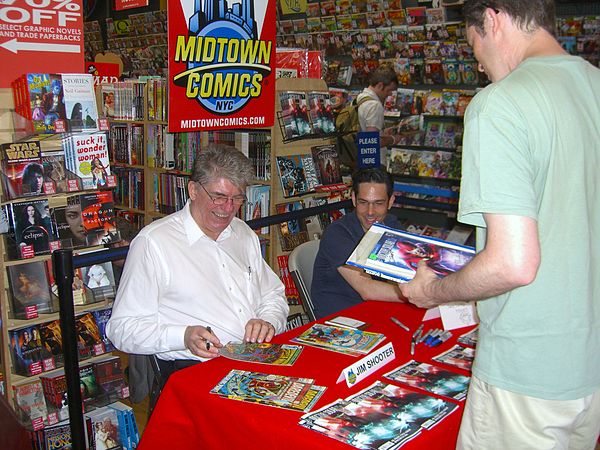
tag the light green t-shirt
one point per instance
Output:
(532, 148)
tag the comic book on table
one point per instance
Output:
(394, 254)
(280, 391)
(457, 356)
(469, 339)
(263, 353)
(343, 340)
(431, 378)
(382, 416)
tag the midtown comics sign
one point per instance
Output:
(40, 36)
(221, 64)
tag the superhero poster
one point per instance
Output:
(221, 64)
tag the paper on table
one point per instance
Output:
(454, 315)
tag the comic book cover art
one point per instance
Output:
(458, 356)
(98, 218)
(327, 162)
(342, 340)
(273, 390)
(418, 410)
(30, 402)
(58, 436)
(86, 155)
(109, 377)
(101, 316)
(293, 232)
(88, 335)
(292, 175)
(320, 112)
(29, 288)
(294, 114)
(258, 203)
(469, 339)
(395, 254)
(263, 353)
(80, 101)
(22, 170)
(38, 84)
(431, 378)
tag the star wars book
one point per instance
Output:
(280, 391)
(263, 353)
(22, 169)
(343, 340)
(431, 378)
(30, 290)
(394, 254)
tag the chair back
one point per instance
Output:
(300, 263)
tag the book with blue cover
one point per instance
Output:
(394, 254)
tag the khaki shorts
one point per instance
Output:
(496, 419)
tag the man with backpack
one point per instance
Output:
(366, 113)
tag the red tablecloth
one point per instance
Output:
(187, 416)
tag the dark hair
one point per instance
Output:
(222, 161)
(372, 175)
(37, 216)
(383, 74)
(30, 173)
(528, 15)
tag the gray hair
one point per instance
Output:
(222, 161)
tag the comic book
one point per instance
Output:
(458, 356)
(293, 176)
(327, 163)
(263, 353)
(257, 206)
(88, 334)
(22, 170)
(30, 227)
(38, 85)
(109, 377)
(343, 340)
(294, 115)
(381, 416)
(57, 436)
(320, 112)
(26, 350)
(293, 232)
(281, 391)
(51, 336)
(469, 339)
(101, 316)
(431, 378)
(394, 254)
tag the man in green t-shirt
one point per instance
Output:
(531, 187)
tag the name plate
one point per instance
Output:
(367, 365)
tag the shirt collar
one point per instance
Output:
(194, 232)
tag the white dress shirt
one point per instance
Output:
(176, 276)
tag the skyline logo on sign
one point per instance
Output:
(225, 61)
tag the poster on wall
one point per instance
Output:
(40, 36)
(221, 64)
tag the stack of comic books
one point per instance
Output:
(457, 356)
(382, 416)
(338, 339)
(394, 254)
(280, 391)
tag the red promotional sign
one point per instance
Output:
(221, 64)
(103, 72)
(120, 5)
(43, 36)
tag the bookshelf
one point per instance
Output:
(11, 326)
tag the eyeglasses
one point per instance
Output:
(221, 200)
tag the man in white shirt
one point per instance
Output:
(196, 279)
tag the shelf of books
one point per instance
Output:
(57, 193)
(306, 168)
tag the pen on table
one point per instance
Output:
(424, 336)
(209, 329)
(431, 338)
(417, 334)
(400, 324)
(412, 346)
(442, 338)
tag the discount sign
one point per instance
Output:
(40, 36)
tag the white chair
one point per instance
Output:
(300, 263)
